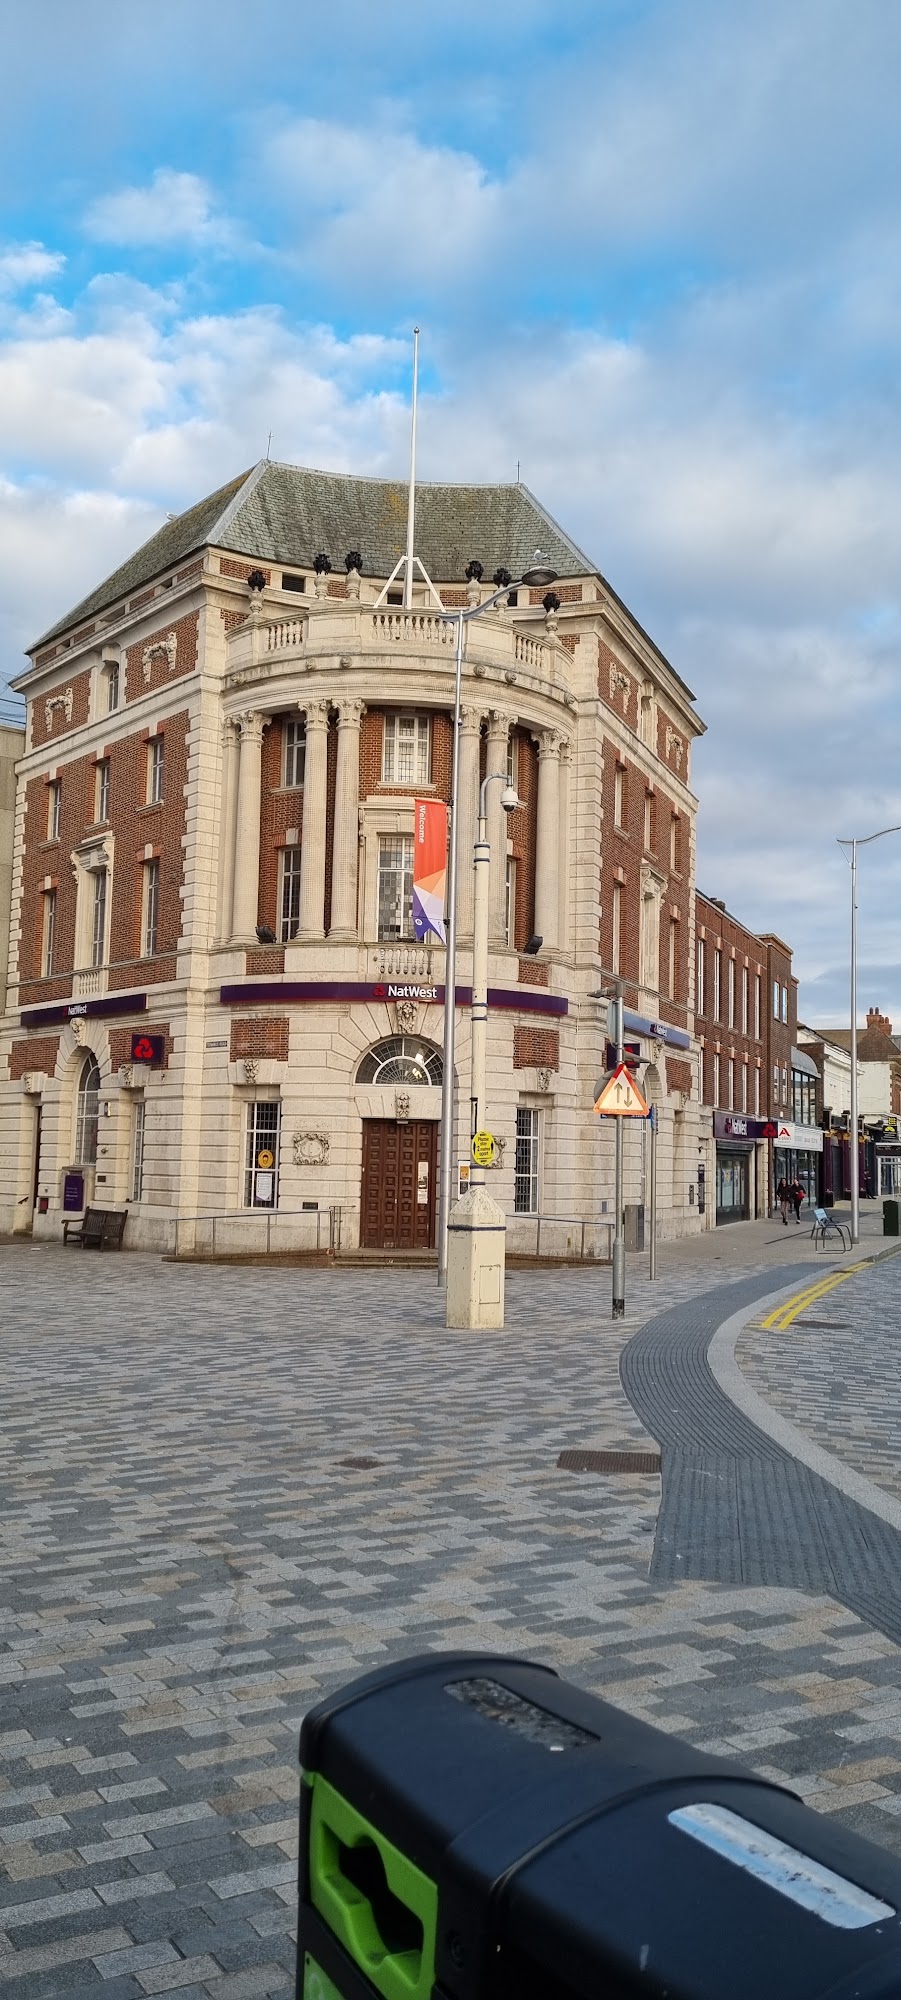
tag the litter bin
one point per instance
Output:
(474, 1828)
(633, 1227)
(891, 1218)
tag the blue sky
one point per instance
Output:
(654, 251)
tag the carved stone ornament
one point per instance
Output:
(251, 1069)
(126, 1076)
(500, 1147)
(62, 701)
(310, 1149)
(544, 1079)
(159, 649)
(402, 1106)
(619, 681)
(406, 1014)
(675, 748)
(79, 1030)
(33, 1082)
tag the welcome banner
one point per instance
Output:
(429, 868)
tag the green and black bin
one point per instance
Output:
(891, 1217)
(474, 1828)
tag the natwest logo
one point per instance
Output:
(737, 1128)
(408, 992)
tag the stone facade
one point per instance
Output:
(219, 775)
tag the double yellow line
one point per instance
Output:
(791, 1308)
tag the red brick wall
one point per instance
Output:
(536, 1048)
(678, 1075)
(265, 962)
(265, 1036)
(80, 685)
(229, 566)
(280, 810)
(159, 673)
(135, 826)
(624, 700)
(43, 857)
(120, 1043)
(622, 853)
(531, 973)
(723, 932)
(40, 1054)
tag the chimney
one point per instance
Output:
(877, 1020)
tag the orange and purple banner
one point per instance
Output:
(429, 867)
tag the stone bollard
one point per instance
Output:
(476, 1241)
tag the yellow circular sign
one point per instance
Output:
(483, 1149)
(266, 1159)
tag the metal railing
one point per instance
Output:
(321, 1222)
(603, 1224)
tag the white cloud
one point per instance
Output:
(24, 265)
(176, 208)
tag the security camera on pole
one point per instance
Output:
(477, 1226)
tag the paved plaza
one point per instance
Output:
(225, 1491)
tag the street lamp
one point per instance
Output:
(538, 574)
(854, 844)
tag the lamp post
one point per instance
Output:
(854, 844)
(481, 861)
(538, 573)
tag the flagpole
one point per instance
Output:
(411, 495)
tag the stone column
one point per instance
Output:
(312, 839)
(547, 840)
(498, 738)
(345, 835)
(246, 891)
(468, 815)
(227, 816)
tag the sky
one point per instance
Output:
(654, 247)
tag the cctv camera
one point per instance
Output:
(509, 799)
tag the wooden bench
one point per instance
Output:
(103, 1227)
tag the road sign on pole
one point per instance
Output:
(621, 1097)
(483, 1148)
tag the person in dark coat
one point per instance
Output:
(783, 1196)
(797, 1198)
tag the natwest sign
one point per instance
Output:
(405, 991)
(735, 1125)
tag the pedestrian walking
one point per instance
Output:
(783, 1196)
(797, 1199)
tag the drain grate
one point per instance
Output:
(609, 1461)
(360, 1464)
(837, 1325)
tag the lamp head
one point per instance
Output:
(510, 798)
(539, 573)
(265, 935)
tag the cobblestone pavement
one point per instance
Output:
(189, 1559)
(835, 1372)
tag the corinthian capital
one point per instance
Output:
(350, 713)
(251, 725)
(316, 713)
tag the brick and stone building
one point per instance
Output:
(878, 1104)
(760, 1087)
(217, 1008)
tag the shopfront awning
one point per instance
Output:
(805, 1063)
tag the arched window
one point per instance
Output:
(87, 1113)
(402, 1059)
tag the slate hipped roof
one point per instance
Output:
(286, 514)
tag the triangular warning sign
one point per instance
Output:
(621, 1097)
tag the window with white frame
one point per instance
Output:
(730, 1083)
(619, 794)
(512, 760)
(87, 1113)
(101, 794)
(395, 916)
(98, 916)
(673, 964)
(756, 1092)
(289, 895)
(54, 797)
(151, 907)
(717, 984)
(674, 843)
(744, 1000)
(111, 677)
(261, 1155)
(716, 1080)
(744, 1086)
(784, 1084)
(730, 991)
(617, 932)
(649, 970)
(294, 752)
(526, 1161)
(701, 977)
(775, 999)
(648, 822)
(785, 1003)
(155, 756)
(775, 1083)
(510, 900)
(406, 751)
(48, 932)
(136, 1183)
(758, 1005)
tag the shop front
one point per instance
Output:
(736, 1149)
(797, 1156)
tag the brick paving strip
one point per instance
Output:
(186, 1564)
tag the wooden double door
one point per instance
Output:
(399, 1189)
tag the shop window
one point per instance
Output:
(294, 740)
(48, 930)
(151, 907)
(54, 797)
(98, 917)
(137, 1152)
(155, 756)
(289, 894)
(396, 885)
(87, 1113)
(406, 753)
(526, 1163)
(261, 1155)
